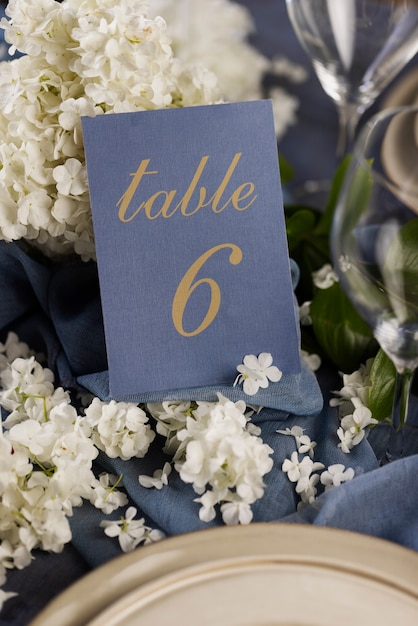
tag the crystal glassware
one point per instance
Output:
(374, 242)
(356, 47)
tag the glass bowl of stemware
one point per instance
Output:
(374, 243)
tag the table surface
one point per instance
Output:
(315, 134)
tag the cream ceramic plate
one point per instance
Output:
(256, 575)
(404, 91)
(400, 151)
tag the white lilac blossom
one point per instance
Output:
(256, 372)
(325, 277)
(129, 531)
(79, 58)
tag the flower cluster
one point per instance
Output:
(48, 446)
(305, 471)
(119, 428)
(218, 451)
(214, 34)
(46, 457)
(87, 59)
(351, 401)
(80, 59)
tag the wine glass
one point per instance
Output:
(374, 244)
(356, 47)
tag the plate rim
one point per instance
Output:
(324, 546)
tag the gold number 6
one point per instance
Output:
(188, 284)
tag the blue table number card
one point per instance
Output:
(191, 244)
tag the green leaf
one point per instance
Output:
(310, 251)
(342, 334)
(382, 378)
(299, 226)
(325, 223)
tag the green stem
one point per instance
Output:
(399, 414)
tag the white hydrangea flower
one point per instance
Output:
(353, 428)
(285, 108)
(295, 431)
(221, 459)
(325, 277)
(119, 428)
(313, 361)
(298, 471)
(158, 479)
(104, 494)
(335, 475)
(305, 313)
(304, 444)
(236, 512)
(129, 531)
(307, 490)
(79, 59)
(5, 595)
(170, 416)
(46, 462)
(355, 390)
(256, 372)
(346, 439)
(208, 502)
(214, 34)
(11, 349)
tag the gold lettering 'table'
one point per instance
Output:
(160, 203)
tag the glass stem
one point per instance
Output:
(403, 384)
(348, 117)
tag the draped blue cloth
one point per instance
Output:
(56, 309)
